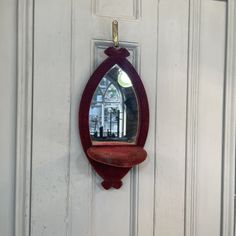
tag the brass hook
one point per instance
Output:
(115, 33)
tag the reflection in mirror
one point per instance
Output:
(113, 114)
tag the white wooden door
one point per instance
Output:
(178, 48)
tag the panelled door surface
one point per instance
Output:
(176, 185)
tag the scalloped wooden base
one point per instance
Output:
(112, 163)
(111, 175)
(107, 184)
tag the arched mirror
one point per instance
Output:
(114, 118)
(113, 113)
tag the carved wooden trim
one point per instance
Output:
(24, 117)
(229, 128)
(192, 114)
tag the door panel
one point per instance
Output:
(117, 8)
(171, 117)
(115, 211)
(51, 118)
(210, 117)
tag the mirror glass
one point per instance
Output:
(113, 113)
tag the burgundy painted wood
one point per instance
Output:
(123, 156)
(118, 156)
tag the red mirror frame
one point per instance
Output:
(113, 160)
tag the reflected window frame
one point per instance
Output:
(107, 125)
(106, 104)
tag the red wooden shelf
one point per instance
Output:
(118, 156)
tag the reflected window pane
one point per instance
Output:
(113, 114)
